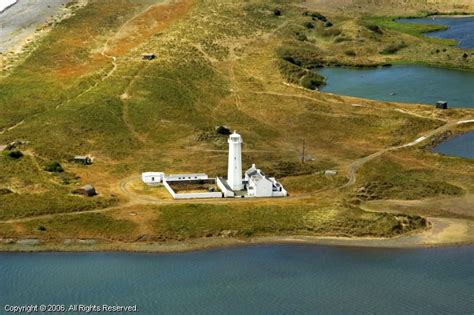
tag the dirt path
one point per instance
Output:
(355, 166)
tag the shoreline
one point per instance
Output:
(28, 33)
(443, 232)
(200, 245)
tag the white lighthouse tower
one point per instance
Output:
(234, 171)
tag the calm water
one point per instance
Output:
(460, 28)
(271, 279)
(404, 83)
(462, 145)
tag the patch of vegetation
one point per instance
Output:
(410, 28)
(312, 183)
(89, 225)
(5, 191)
(385, 179)
(53, 167)
(15, 154)
(296, 66)
(205, 220)
(350, 53)
(393, 48)
(374, 28)
(315, 15)
(25, 205)
(287, 168)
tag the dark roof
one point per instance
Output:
(251, 172)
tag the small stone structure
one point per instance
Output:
(83, 159)
(87, 190)
(148, 56)
(442, 105)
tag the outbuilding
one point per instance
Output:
(153, 178)
(148, 56)
(442, 105)
(87, 190)
(82, 159)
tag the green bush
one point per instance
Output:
(312, 81)
(393, 48)
(350, 53)
(316, 15)
(15, 154)
(374, 28)
(53, 167)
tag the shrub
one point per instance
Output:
(350, 53)
(223, 130)
(316, 15)
(312, 81)
(53, 167)
(301, 37)
(374, 28)
(277, 12)
(333, 31)
(328, 24)
(308, 25)
(393, 48)
(15, 154)
(41, 228)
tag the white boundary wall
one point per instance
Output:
(207, 195)
(227, 193)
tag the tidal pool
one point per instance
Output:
(459, 28)
(462, 146)
(402, 83)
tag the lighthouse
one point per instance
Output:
(234, 171)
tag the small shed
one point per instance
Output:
(87, 190)
(330, 173)
(82, 159)
(442, 105)
(148, 56)
(153, 178)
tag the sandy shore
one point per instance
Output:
(443, 232)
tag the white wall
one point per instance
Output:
(227, 193)
(206, 195)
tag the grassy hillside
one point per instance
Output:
(85, 90)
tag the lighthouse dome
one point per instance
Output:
(235, 138)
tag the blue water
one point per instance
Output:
(460, 28)
(462, 146)
(404, 83)
(270, 279)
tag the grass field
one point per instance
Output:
(85, 90)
